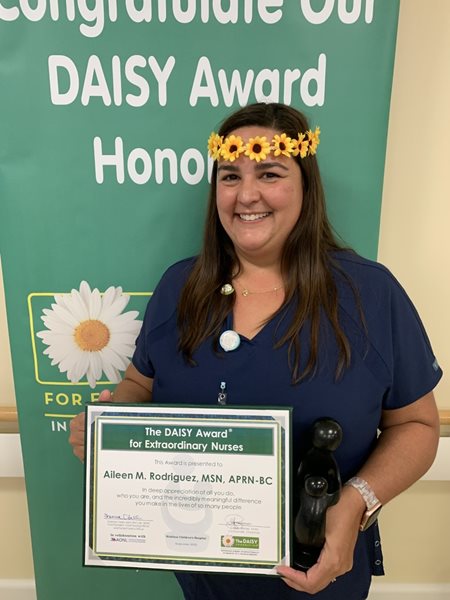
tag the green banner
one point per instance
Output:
(106, 109)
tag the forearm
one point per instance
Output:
(131, 391)
(134, 387)
(405, 449)
(402, 455)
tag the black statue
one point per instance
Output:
(319, 486)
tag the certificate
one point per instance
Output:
(187, 488)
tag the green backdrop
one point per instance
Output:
(106, 109)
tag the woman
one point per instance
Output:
(307, 324)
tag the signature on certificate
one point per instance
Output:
(235, 520)
(123, 517)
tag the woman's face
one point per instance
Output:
(259, 203)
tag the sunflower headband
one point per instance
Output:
(258, 148)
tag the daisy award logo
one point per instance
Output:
(227, 541)
(87, 334)
(239, 541)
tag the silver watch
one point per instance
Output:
(373, 505)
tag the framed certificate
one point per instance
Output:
(187, 488)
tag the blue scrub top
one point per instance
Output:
(392, 365)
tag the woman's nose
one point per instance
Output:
(248, 192)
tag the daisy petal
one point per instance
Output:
(49, 337)
(81, 366)
(85, 292)
(65, 315)
(114, 359)
(78, 307)
(96, 364)
(107, 299)
(115, 308)
(95, 304)
(111, 373)
(124, 349)
(91, 378)
(69, 361)
(57, 326)
(122, 338)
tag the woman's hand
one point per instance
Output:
(336, 558)
(404, 451)
(78, 427)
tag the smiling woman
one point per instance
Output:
(275, 311)
(259, 201)
(264, 177)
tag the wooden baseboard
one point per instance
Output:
(17, 589)
(23, 589)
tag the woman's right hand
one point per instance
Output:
(78, 428)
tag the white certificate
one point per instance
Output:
(187, 488)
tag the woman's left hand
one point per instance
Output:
(336, 558)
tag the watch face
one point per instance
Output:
(370, 517)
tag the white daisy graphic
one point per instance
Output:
(227, 540)
(88, 333)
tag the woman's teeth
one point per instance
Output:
(253, 216)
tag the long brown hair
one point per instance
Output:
(306, 262)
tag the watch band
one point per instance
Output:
(373, 505)
(365, 490)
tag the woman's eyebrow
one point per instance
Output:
(258, 167)
(232, 168)
(270, 165)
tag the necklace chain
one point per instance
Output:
(246, 292)
(228, 289)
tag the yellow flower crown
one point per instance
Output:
(258, 148)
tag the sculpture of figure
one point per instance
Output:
(319, 486)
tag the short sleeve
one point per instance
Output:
(391, 340)
(159, 312)
(141, 359)
(407, 350)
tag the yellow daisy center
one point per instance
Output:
(91, 335)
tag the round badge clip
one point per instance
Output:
(229, 340)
